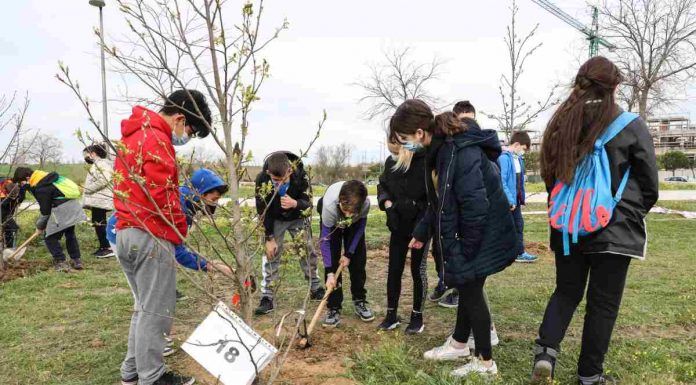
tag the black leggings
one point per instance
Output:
(473, 314)
(99, 223)
(607, 278)
(398, 250)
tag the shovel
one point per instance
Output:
(19, 252)
(304, 343)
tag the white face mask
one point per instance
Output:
(180, 140)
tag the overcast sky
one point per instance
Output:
(313, 63)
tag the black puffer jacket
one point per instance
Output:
(298, 190)
(406, 191)
(626, 233)
(473, 222)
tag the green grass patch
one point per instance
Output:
(72, 328)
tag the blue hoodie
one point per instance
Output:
(201, 182)
(509, 177)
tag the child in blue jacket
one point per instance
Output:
(201, 193)
(512, 173)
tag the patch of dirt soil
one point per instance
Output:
(21, 269)
(542, 250)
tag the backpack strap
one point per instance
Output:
(622, 185)
(623, 120)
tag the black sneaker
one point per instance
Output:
(544, 365)
(265, 307)
(76, 264)
(171, 378)
(391, 321)
(363, 311)
(437, 294)
(180, 296)
(603, 380)
(130, 381)
(318, 294)
(104, 253)
(61, 266)
(451, 300)
(415, 326)
(333, 318)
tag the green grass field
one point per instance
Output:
(71, 329)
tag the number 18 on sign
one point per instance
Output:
(228, 348)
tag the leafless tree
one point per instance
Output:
(656, 42)
(332, 162)
(12, 124)
(398, 78)
(13, 128)
(516, 113)
(195, 44)
(44, 149)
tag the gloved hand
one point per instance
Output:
(42, 222)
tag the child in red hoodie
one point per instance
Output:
(151, 223)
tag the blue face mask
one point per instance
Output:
(180, 140)
(412, 146)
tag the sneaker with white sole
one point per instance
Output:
(494, 339)
(362, 310)
(415, 326)
(451, 300)
(168, 351)
(391, 321)
(447, 352)
(475, 366)
(130, 381)
(104, 253)
(526, 258)
(333, 318)
(544, 365)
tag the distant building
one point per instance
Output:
(673, 133)
(669, 133)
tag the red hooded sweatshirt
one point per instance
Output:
(148, 153)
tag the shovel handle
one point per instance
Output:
(323, 302)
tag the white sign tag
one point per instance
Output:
(228, 348)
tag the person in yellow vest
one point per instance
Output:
(60, 209)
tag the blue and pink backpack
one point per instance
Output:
(586, 204)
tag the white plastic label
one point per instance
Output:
(228, 348)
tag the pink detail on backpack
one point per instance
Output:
(553, 220)
(586, 219)
(574, 210)
(556, 189)
(603, 216)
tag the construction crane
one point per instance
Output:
(591, 33)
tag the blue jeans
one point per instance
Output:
(519, 226)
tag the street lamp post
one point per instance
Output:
(100, 4)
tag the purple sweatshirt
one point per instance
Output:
(331, 216)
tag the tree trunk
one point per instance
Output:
(643, 103)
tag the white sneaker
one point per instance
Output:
(475, 366)
(472, 344)
(447, 352)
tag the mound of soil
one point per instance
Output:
(21, 269)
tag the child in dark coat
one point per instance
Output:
(402, 195)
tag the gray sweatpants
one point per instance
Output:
(150, 268)
(308, 264)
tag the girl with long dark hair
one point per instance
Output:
(599, 260)
(472, 221)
